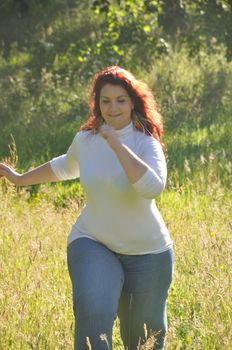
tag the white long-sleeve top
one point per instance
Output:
(120, 215)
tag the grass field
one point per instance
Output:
(47, 59)
(35, 290)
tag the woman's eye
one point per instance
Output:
(106, 101)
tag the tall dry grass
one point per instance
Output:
(35, 290)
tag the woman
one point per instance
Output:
(120, 254)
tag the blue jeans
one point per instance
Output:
(106, 284)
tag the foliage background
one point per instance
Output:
(51, 49)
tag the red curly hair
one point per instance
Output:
(145, 115)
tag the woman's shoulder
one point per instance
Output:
(82, 137)
(143, 138)
(148, 144)
(82, 134)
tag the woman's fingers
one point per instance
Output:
(2, 170)
(107, 131)
(6, 171)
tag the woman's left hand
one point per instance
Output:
(109, 134)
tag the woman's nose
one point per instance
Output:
(113, 106)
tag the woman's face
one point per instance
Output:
(115, 106)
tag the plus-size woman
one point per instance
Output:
(120, 254)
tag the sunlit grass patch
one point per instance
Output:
(200, 297)
(35, 290)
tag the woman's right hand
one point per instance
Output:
(10, 174)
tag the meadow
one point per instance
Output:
(35, 290)
(49, 50)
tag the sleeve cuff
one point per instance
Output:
(149, 185)
(60, 169)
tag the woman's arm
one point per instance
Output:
(133, 166)
(41, 174)
(147, 173)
